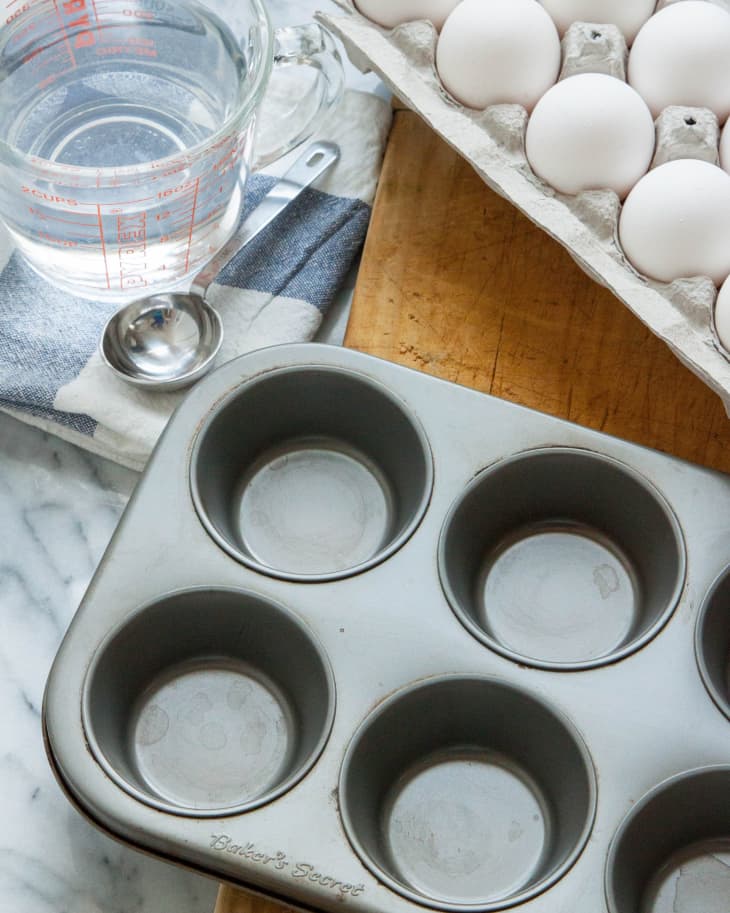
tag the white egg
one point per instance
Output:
(722, 315)
(390, 13)
(498, 51)
(676, 222)
(591, 132)
(628, 15)
(682, 57)
(725, 148)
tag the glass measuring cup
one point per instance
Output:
(127, 131)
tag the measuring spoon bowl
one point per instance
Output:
(164, 342)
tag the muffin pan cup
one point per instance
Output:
(562, 558)
(712, 643)
(462, 792)
(672, 852)
(208, 702)
(347, 735)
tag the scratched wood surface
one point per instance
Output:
(457, 283)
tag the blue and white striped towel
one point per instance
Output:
(277, 290)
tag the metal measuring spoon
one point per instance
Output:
(170, 340)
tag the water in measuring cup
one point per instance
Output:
(118, 86)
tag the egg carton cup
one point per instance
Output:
(368, 640)
(493, 142)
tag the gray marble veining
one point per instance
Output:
(58, 509)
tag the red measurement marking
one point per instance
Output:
(132, 249)
(192, 225)
(181, 233)
(180, 192)
(77, 17)
(60, 242)
(117, 208)
(183, 211)
(138, 14)
(212, 184)
(103, 246)
(50, 218)
(183, 222)
(97, 26)
(16, 14)
(72, 56)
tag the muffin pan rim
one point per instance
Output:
(721, 701)
(639, 806)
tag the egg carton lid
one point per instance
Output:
(492, 141)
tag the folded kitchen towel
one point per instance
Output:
(276, 290)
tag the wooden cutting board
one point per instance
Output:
(456, 282)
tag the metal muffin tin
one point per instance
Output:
(365, 638)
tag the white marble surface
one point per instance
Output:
(58, 509)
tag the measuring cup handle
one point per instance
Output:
(310, 46)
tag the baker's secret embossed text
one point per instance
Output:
(223, 843)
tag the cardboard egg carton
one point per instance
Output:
(493, 142)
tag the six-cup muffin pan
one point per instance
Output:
(367, 639)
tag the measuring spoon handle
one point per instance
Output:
(314, 162)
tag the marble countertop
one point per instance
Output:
(58, 509)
